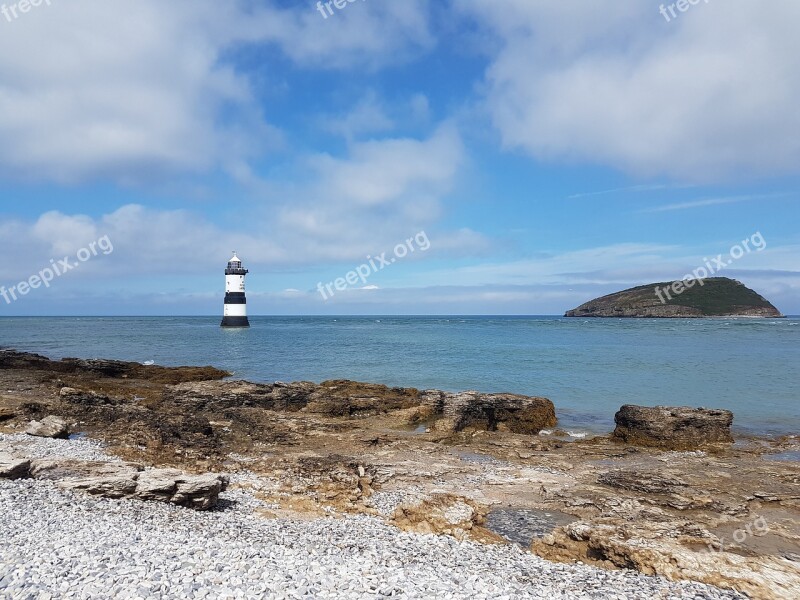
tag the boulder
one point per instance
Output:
(673, 428)
(6, 414)
(12, 467)
(200, 492)
(128, 480)
(497, 412)
(51, 427)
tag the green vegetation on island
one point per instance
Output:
(712, 297)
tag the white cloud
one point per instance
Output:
(366, 202)
(138, 91)
(707, 97)
(378, 171)
(382, 192)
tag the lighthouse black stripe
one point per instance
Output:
(235, 322)
(235, 298)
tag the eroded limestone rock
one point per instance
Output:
(351, 399)
(673, 428)
(128, 480)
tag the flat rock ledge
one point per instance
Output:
(673, 428)
(450, 412)
(670, 549)
(120, 480)
(12, 359)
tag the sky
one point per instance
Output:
(463, 156)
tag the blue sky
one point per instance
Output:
(551, 152)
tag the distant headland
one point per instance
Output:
(712, 297)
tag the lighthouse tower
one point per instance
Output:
(235, 314)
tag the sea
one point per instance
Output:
(587, 367)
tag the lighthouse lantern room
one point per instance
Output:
(235, 313)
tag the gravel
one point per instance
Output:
(59, 544)
(36, 447)
(386, 502)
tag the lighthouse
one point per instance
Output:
(235, 313)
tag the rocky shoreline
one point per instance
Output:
(404, 473)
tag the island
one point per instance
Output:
(696, 298)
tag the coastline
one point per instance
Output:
(587, 367)
(659, 512)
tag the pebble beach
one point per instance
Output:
(62, 544)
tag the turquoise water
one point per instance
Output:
(588, 367)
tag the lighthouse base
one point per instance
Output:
(235, 322)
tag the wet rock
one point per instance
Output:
(498, 412)
(347, 399)
(51, 427)
(344, 398)
(522, 525)
(12, 359)
(673, 428)
(12, 467)
(82, 397)
(217, 396)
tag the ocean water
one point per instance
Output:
(587, 367)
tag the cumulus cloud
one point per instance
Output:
(709, 96)
(136, 91)
(383, 191)
(377, 195)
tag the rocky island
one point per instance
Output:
(125, 480)
(711, 297)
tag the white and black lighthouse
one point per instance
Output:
(235, 313)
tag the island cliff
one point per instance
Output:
(713, 297)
